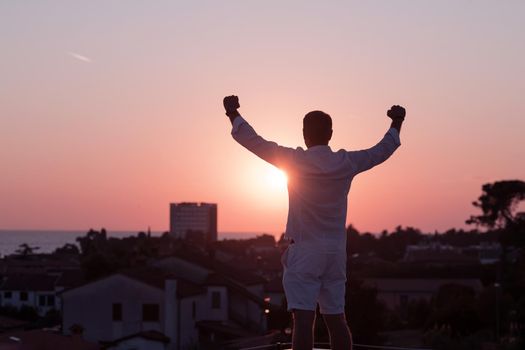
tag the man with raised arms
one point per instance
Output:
(318, 184)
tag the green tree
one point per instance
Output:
(498, 204)
(93, 241)
(67, 249)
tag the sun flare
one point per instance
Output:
(277, 178)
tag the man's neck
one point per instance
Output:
(316, 144)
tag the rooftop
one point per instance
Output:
(36, 282)
(43, 340)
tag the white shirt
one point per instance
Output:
(318, 182)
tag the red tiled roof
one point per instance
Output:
(43, 340)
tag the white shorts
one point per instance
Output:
(314, 276)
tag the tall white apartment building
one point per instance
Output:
(193, 218)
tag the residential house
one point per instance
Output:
(196, 267)
(398, 292)
(436, 254)
(36, 291)
(184, 303)
(488, 253)
(126, 304)
(240, 291)
(37, 264)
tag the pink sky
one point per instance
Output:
(109, 111)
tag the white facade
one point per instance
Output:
(217, 303)
(192, 310)
(41, 301)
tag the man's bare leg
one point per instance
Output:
(340, 336)
(303, 329)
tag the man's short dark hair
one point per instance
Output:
(317, 127)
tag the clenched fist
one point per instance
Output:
(231, 103)
(396, 112)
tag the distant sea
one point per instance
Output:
(49, 240)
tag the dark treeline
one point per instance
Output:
(457, 317)
(391, 246)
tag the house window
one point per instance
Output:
(150, 312)
(46, 300)
(23, 296)
(116, 312)
(193, 309)
(7, 295)
(215, 300)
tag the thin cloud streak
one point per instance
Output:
(79, 57)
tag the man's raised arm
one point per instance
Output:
(244, 134)
(369, 158)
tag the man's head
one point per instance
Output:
(317, 128)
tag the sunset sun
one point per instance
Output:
(276, 178)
